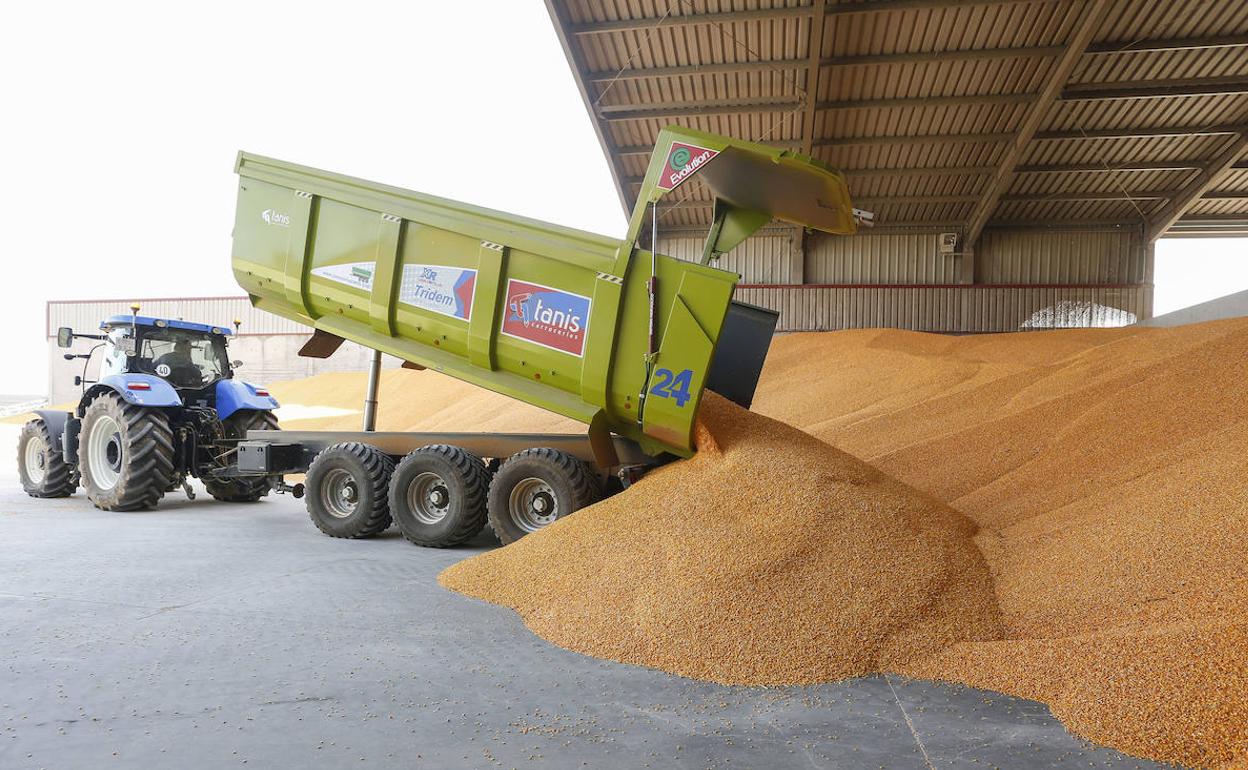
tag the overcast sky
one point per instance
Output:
(121, 122)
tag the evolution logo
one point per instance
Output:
(548, 317)
(683, 161)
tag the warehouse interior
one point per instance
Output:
(1021, 157)
(979, 503)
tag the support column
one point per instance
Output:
(1150, 287)
(966, 264)
(797, 256)
(370, 397)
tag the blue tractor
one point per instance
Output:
(166, 407)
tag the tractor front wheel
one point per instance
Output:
(41, 465)
(126, 454)
(242, 489)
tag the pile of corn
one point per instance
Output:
(1097, 559)
(768, 558)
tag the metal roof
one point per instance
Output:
(942, 113)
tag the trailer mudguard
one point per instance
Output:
(233, 395)
(137, 389)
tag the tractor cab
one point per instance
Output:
(189, 356)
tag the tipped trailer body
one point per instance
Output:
(597, 329)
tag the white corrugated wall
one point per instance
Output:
(85, 315)
(1014, 256)
(948, 308)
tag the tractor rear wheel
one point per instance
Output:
(41, 465)
(346, 490)
(242, 490)
(126, 454)
(536, 487)
(437, 495)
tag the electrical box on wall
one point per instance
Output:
(948, 243)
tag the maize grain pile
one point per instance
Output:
(1074, 530)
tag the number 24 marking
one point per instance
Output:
(673, 385)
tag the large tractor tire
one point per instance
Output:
(125, 454)
(536, 487)
(40, 463)
(346, 490)
(438, 494)
(242, 490)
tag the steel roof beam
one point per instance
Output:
(1170, 44)
(1201, 184)
(1083, 168)
(1086, 25)
(814, 50)
(1134, 195)
(868, 141)
(918, 57)
(732, 17)
(646, 149)
(1155, 89)
(912, 57)
(1144, 131)
(617, 112)
(928, 101)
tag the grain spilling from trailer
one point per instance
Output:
(1070, 525)
(769, 558)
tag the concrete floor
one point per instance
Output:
(213, 635)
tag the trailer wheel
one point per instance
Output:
(346, 490)
(438, 495)
(536, 487)
(126, 454)
(242, 489)
(41, 465)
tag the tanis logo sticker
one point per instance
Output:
(683, 161)
(548, 317)
(275, 218)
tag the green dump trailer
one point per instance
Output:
(597, 329)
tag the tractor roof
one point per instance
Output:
(143, 320)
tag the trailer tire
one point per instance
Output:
(242, 489)
(346, 490)
(438, 495)
(536, 487)
(126, 455)
(40, 465)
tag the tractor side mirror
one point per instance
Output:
(126, 345)
(64, 337)
(235, 364)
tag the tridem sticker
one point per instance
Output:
(548, 317)
(441, 289)
(445, 290)
(683, 161)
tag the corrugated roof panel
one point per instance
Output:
(758, 37)
(1131, 20)
(1106, 182)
